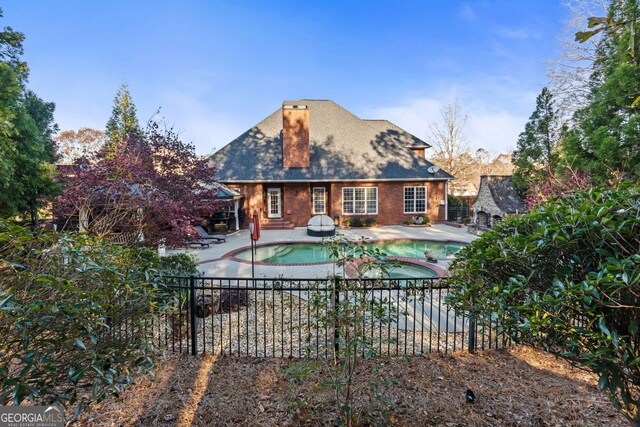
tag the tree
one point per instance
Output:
(9, 96)
(555, 186)
(565, 277)
(352, 308)
(605, 140)
(451, 145)
(501, 164)
(32, 180)
(124, 120)
(26, 135)
(153, 186)
(11, 50)
(82, 145)
(484, 164)
(571, 72)
(12, 75)
(536, 154)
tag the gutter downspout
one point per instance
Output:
(446, 200)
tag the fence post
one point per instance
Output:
(192, 314)
(473, 331)
(336, 326)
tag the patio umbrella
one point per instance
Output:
(255, 227)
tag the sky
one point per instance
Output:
(215, 69)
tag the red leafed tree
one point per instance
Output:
(151, 185)
(556, 186)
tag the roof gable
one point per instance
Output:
(342, 147)
(407, 139)
(503, 192)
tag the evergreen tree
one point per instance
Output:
(123, 121)
(12, 75)
(26, 135)
(33, 181)
(606, 140)
(536, 153)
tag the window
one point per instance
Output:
(319, 206)
(415, 199)
(360, 200)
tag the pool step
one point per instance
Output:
(276, 224)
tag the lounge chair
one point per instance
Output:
(206, 236)
(321, 226)
(202, 242)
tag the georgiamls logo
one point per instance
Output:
(31, 416)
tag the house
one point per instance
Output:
(228, 218)
(314, 157)
(497, 198)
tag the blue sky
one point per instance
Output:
(217, 68)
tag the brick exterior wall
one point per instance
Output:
(297, 200)
(253, 200)
(295, 138)
(297, 204)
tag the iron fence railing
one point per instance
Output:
(458, 213)
(279, 317)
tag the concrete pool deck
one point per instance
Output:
(213, 264)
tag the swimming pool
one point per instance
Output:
(309, 253)
(403, 270)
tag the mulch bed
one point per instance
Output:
(516, 387)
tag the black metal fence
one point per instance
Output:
(288, 317)
(458, 213)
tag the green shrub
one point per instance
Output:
(346, 222)
(357, 221)
(454, 201)
(566, 277)
(363, 221)
(178, 265)
(74, 314)
(422, 219)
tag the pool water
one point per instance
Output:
(404, 270)
(304, 253)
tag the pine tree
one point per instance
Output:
(123, 122)
(536, 153)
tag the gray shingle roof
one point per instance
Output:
(225, 192)
(404, 137)
(342, 147)
(504, 193)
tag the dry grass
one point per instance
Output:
(518, 387)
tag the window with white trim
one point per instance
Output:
(319, 204)
(415, 199)
(359, 200)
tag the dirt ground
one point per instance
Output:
(516, 387)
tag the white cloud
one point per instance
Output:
(495, 132)
(414, 116)
(517, 33)
(207, 129)
(466, 12)
(492, 128)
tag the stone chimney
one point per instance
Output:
(295, 135)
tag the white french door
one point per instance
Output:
(274, 203)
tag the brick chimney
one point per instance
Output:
(295, 135)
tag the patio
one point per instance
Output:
(214, 265)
